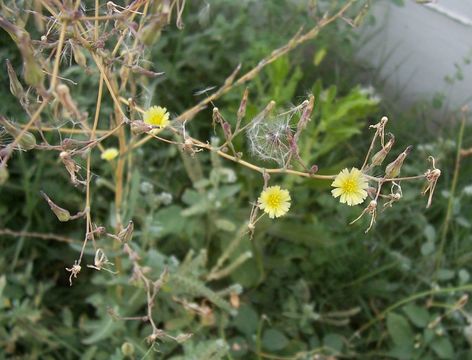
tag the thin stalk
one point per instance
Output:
(452, 192)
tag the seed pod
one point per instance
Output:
(393, 169)
(27, 140)
(15, 86)
(62, 214)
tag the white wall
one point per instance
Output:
(411, 49)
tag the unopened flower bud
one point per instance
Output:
(27, 140)
(393, 169)
(62, 214)
(79, 56)
(151, 33)
(127, 349)
(63, 95)
(3, 174)
(242, 105)
(33, 74)
(15, 86)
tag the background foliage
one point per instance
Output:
(312, 284)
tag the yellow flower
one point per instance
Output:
(156, 116)
(109, 154)
(350, 186)
(274, 201)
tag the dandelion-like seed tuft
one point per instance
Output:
(350, 187)
(274, 201)
(269, 137)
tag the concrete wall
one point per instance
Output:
(412, 49)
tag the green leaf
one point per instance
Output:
(319, 56)
(247, 320)
(102, 330)
(430, 233)
(427, 248)
(400, 330)
(334, 342)
(419, 316)
(169, 220)
(274, 340)
(445, 274)
(443, 348)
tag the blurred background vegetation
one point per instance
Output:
(313, 286)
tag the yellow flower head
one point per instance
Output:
(156, 116)
(350, 186)
(109, 154)
(274, 201)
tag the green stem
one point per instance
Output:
(452, 191)
(404, 301)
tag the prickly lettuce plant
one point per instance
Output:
(86, 88)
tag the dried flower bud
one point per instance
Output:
(74, 271)
(151, 33)
(183, 337)
(380, 129)
(125, 235)
(242, 106)
(27, 140)
(79, 56)
(313, 169)
(380, 156)
(371, 209)
(306, 115)
(62, 214)
(71, 167)
(140, 127)
(393, 169)
(63, 95)
(432, 176)
(15, 86)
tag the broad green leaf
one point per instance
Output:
(399, 329)
(419, 316)
(247, 320)
(443, 348)
(274, 340)
(334, 342)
